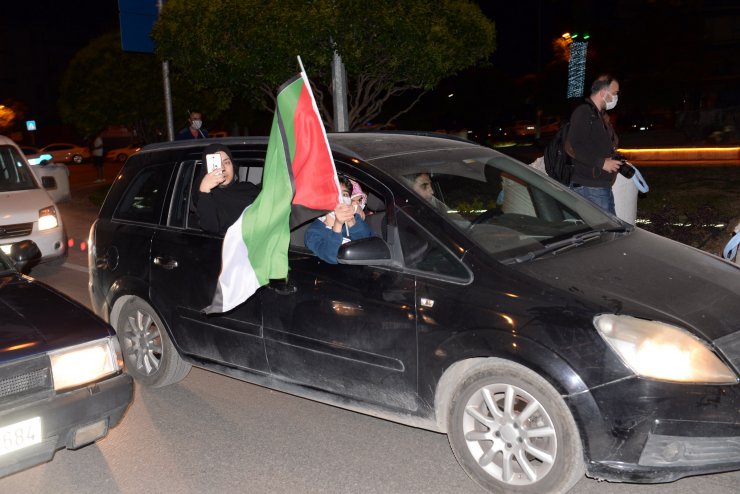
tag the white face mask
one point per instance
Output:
(196, 124)
(611, 104)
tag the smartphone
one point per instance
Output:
(213, 161)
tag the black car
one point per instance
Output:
(545, 337)
(61, 372)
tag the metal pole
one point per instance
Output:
(167, 91)
(339, 79)
(168, 100)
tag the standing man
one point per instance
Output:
(592, 144)
(98, 158)
(194, 130)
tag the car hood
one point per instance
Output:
(34, 318)
(645, 275)
(22, 206)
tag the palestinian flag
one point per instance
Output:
(299, 171)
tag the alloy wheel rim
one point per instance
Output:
(509, 434)
(142, 343)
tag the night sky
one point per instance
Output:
(38, 39)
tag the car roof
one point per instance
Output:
(366, 146)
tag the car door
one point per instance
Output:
(345, 329)
(185, 264)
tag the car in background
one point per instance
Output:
(63, 152)
(122, 154)
(34, 156)
(61, 370)
(27, 212)
(543, 335)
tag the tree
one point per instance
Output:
(104, 85)
(248, 48)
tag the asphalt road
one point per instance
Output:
(214, 434)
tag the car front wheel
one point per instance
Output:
(148, 352)
(77, 158)
(512, 432)
(121, 157)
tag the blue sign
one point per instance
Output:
(137, 17)
(30, 124)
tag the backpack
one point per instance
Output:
(558, 164)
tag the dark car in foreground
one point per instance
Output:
(546, 338)
(61, 379)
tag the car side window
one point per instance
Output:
(144, 198)
(423, 252)
(181, 195)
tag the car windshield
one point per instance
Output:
(14, 172)
(511, 210)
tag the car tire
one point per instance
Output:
(150, 356)
(77, 158)
(503, 451)
(121, 157)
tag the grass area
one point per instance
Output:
(697, 206)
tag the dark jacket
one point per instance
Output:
(185, 134)
(219, 209)
(591, 139)
(325, 242)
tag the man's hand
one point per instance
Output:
(611, 166)
(211, 181)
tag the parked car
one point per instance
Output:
(544, 336)
(61, 371)
(122, 154)
(27, 212)
(33, 155)
(67, 153)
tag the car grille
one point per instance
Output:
(18, 230)
(23, 378)
(729, 345)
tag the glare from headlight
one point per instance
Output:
(82, 364)
(660, 351)
(48, 218)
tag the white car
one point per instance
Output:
(63, 152)
(121, 154)
(27, 212)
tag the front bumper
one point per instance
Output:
(636, 430)
(69, 419)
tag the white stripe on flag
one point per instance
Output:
(238, 280)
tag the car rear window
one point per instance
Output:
(14, 172)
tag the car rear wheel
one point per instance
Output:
(121, 157)
(148, 352)
(512, 432)
(77, 158)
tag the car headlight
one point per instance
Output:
(81, 364)
(48, 218)
(660, 351)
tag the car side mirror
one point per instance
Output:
(25, 255)
(372, 250)
(49, 182)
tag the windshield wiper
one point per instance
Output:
(559, 246)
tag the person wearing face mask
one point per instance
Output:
(194, 130)
(220, 198)
(326, 234)
(592, 144)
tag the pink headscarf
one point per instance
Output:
(357, 194)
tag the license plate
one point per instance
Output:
(20, 435)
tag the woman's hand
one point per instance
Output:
(344, 214)
(211, 181)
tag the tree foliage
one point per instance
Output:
(104, 85)
(248, 48)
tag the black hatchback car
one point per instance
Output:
(61, 371)
(544, 336)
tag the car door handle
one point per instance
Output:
(165, 263)
(102, 262)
